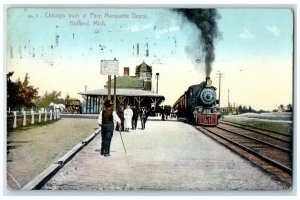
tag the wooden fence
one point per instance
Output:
(17, 119)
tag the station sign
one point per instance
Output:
(109, 67)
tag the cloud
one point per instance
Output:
(139, 27)
(273, 30)
(159, 32)
(246, 34)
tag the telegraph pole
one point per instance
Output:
(109, 87)
(220, 76)
(228, 99)
(115, 98)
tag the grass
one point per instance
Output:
(283, 127)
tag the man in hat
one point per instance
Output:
(143, 116)
(134, 117)
(106, 120)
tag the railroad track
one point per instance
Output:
(276, 134)
(268, 151)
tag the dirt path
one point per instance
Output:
(30, 152)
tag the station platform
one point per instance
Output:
(167, 155)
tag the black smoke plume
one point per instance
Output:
(205, 20)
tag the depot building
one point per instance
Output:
(130, 90)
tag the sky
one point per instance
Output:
(61, 50)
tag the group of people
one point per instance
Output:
(125, 118)
(165, 112)
(129, 117)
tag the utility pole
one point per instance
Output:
(157, 76)
(115, 98)
(109, 87)
(220, 76)
(228, 99)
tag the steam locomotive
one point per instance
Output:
(199, 104)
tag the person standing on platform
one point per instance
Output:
(162, 113)
(121, 116)
(106, 120)
(127, 117)
(143, 116)
(134, 117)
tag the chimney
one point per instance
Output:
(126, 71)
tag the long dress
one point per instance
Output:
(127, 117)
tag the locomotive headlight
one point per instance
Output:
(208, 82)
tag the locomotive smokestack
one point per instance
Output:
(205, 20)
(207, 79)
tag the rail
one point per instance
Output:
(255, 139)
(267, 159)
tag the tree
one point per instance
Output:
(239, 108)
(12, 91)
(250, 109)
(46, 99)
(289, 108)
(244, 109)
(20, 94)
(281, 108)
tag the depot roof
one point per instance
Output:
(122, 92)
(128, 82)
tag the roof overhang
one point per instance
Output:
(122, 92)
